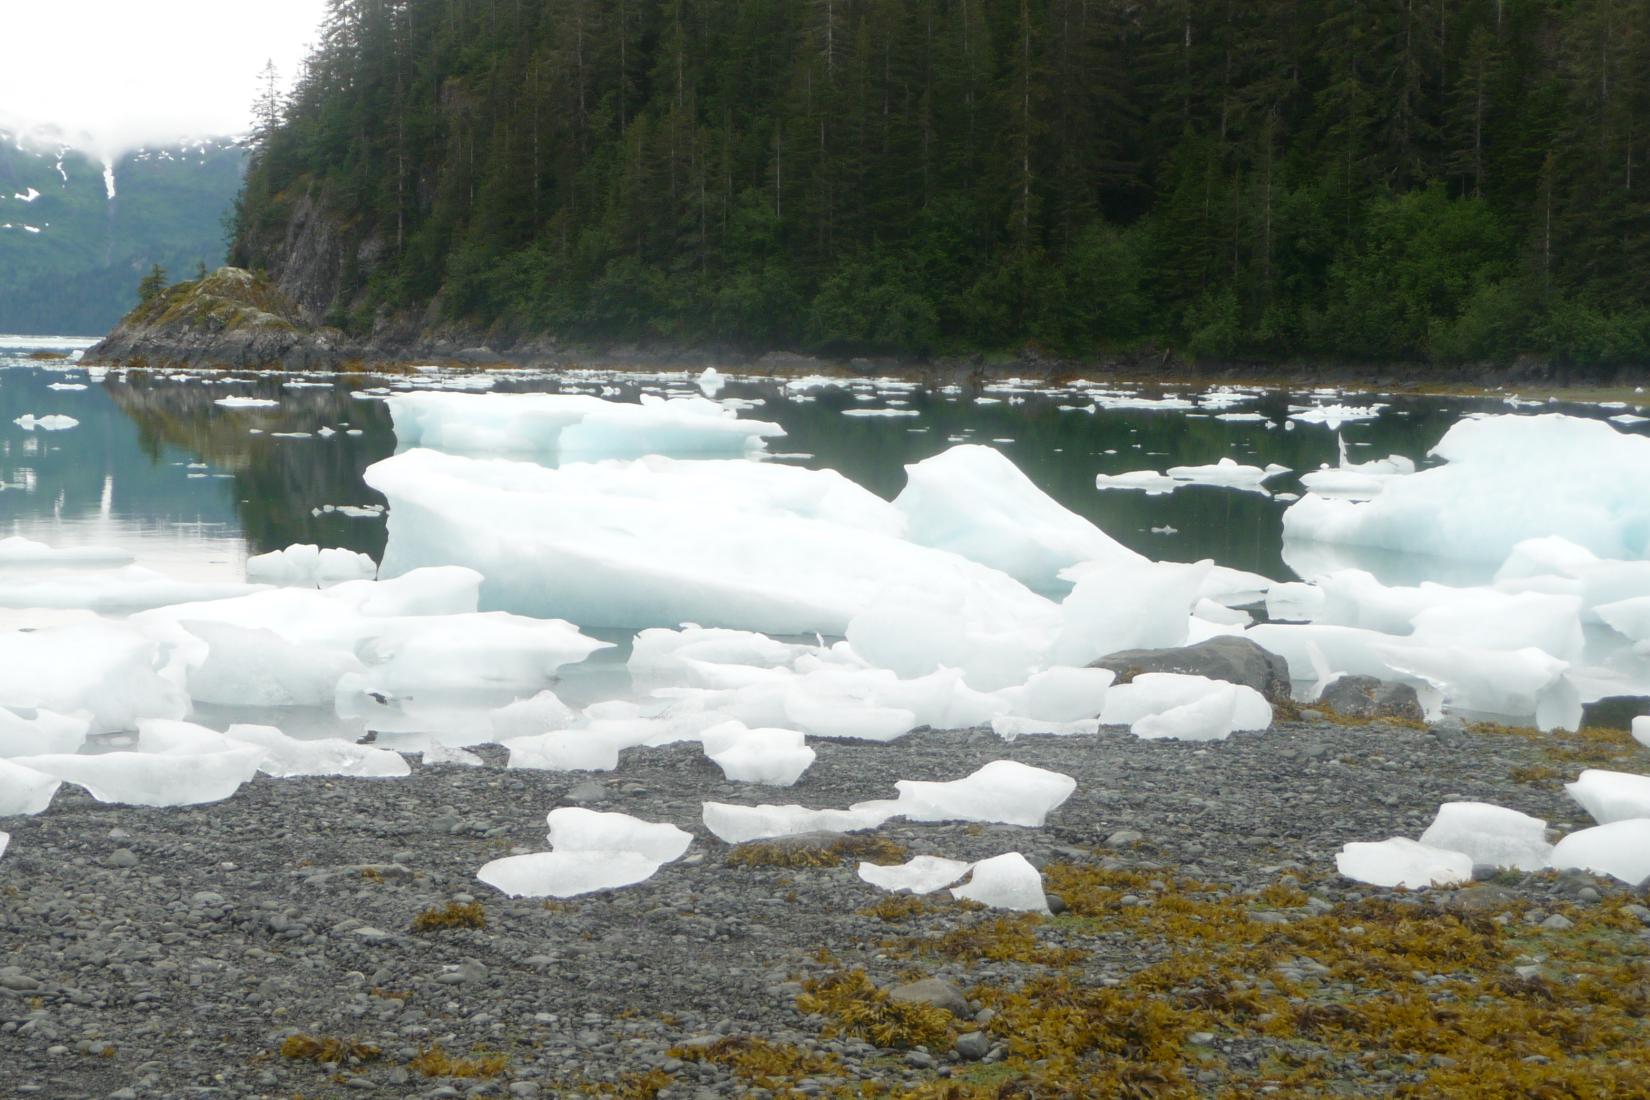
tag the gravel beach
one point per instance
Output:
(177, 953)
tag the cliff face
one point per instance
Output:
(231, 318)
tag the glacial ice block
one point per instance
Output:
(1228, 474)
(1158, 693)
(120, 590)
(1062, 694)
(153, 779)
(16, 550)
(250, 666)
(1206, 718)
(657, 542)
(769, 756)
(555, 428)
(42, 734)
(572, 750)
(107, 670)
(973, 501)
(1403, 862)
(575, 829)
(1127, 605)
(1593, 484)
(285, 756)
(919, 875)
(1008, 881)
(737, 824)
(1620, 849)
(566, 874)
(1641, 730)
(1003, 791)
(1611, 796)
(23, 790)
(1493, 836)
(5, 842)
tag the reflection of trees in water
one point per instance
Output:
(277, 482)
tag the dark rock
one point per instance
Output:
(1235, 660)
(933, 991)
(972, 1046)
(1367, 697)
(1616, 712)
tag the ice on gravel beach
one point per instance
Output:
(1008, 881)
(919, 875)
(590, 851)
(1003, 792)
(575, 829)
(1492, 836)
(1611, 796)
(1620, 849)
(1403, 862)
(25, 791)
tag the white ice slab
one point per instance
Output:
(575, 829)
(1130, 605)
(1492, 835)
(23, 790)
(1008, 881)
(738, 824)
(769, 756)
(1003, 791)
(106, 669)
(1403, 862)
(310, 565)
(151, 778)
(919, 875)
(1209, 717)
(1611, 796)
(40, 732)
(285, 756)
(566, 874)
(1620, 849)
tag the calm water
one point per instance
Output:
(193, 488)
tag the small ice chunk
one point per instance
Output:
(1009, 727)
(1127, 605)
(1008, 881)
(737, 824)
(52, 422)
(1492, 835)
(575, 829)
(1003, 791)
(1154, 693)
(531, 717)
(1620, 849)
(1403, 862)
(5, 841)
(1149, 482)
(773, 757)
(1611, 796)
(1228, 474)
(24, 790)
(571, 750)
(1641, 730)
(153, 778)
(710, 382)
(920, 875)
(247, 403)
(1062, 694)
(566, 874)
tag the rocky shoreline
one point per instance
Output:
(263, 946)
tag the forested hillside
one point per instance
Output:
(1365, 179)
(72, 251)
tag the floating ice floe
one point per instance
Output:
(1357, 480)
(122, 589)
(560, 428)
(24, 790)
(1493, 836)
(19, 551)
(1403, 862)
(1611, 796)
(67, 386)
(1149, 482)
(247, 403)
(1228, 474)
(51, 422)
(1008, 881)
(1333, 416)
(1593, 484)
(310, 565)
(1620, 849)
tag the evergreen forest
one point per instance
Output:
(1363, 180)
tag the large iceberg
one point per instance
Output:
(658, 542)
(556, 428)
(1505, 479)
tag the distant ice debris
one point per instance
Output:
(309, 565)
(67, 386)
(1403, 862)
(1492, 836)
(1149, 482)
(880, 412)
(710, 382)
(247, 403)
(1227, 473)
(1333, 416)
(52, 422)
(560, 428)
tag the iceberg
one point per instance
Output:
(659, 542)
(1594, 485)
(557, 428)
(1008, 881)
(1620, 849)
(1403, 862)
(1493, 836)
(24, 790)
(1611, 796)
(1062, 695)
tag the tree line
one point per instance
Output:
(1445, 180)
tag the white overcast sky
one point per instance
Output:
(116, 74)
